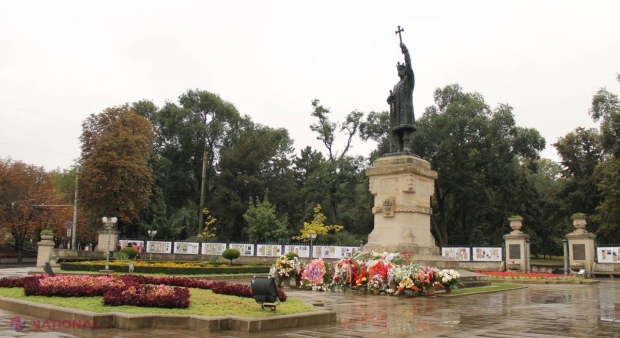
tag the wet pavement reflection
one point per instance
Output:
(553, 310)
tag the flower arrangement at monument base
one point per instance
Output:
(408, 287)
(284, 268)
(313, 273)
(376, 284)
(449, 279)
(344, 275)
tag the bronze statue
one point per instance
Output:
(402, 118)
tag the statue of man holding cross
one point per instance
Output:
(402, 118)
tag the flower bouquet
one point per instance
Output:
(313, 274)
(375, 283)
(408, 287)
(449, 279)
(345, 273)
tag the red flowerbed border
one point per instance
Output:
(141, 285)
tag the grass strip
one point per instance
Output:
(482, 289)
(202, 302)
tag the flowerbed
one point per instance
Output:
(167, 292)
(148, 295)
(122, 266)
(239, 290)
(525, 275)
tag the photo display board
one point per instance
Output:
(213, 249)
(186, 248)
(124, 243)
(268, 250)
(487, 254)
(303, 251)
(158, 247)
(608, 254)
(244, 249)
(456, 253)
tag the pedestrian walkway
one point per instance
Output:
(554, 310)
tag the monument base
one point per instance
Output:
(421, 255)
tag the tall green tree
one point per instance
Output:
(475, 150)
(606, 109)
(254, 159)
(115, 179)
(264, 225)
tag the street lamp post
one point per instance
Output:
(108, 222)
(311, 237)
(152, 233)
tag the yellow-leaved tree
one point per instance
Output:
(208, 232)
(317, 226)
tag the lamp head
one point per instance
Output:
(104, 220)
(114, 219)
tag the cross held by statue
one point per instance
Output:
(398, 32)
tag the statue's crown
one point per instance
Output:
(400, 65)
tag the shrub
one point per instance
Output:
(291, 256)
(73, 266)
(148, 295)
(231, 254)
(13, 282)
(239, 290)
(128, 252)
(47, 232)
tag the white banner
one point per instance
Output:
(303, 251)
(158, 247)
(213, 249)
(456, 253)
(608, 254)
(186, 248)
(487, 254)
(268, 250)
(244, 249)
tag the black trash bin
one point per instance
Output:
(110, 254)
(265, 291)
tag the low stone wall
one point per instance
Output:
(610, 270)
(59, 255)
(482, 266)
(127, 321)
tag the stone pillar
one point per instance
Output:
(581, 246)
(516, 256)
(402, 187)
(102, 245)
(45, 250)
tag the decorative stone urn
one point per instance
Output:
(516, 222)
(579, 221)
(47, 237)
(513, 266)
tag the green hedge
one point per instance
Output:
(170, 271)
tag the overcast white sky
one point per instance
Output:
(63, 60)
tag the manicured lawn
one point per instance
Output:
(483, 289)
(202, 302)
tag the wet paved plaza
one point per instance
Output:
(554, 310)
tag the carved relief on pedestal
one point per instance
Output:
(388, 207)
(372, 187)
(420, 209)
(408, 183)
(423, 188)
(389, 186)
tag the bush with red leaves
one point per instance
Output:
(239, 290)
(175, 281)
(13, 282)
(148, 296)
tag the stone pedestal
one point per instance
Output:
(102, 245)
(402, 187)
(45, 250)
(581, 247)
(516, 254)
